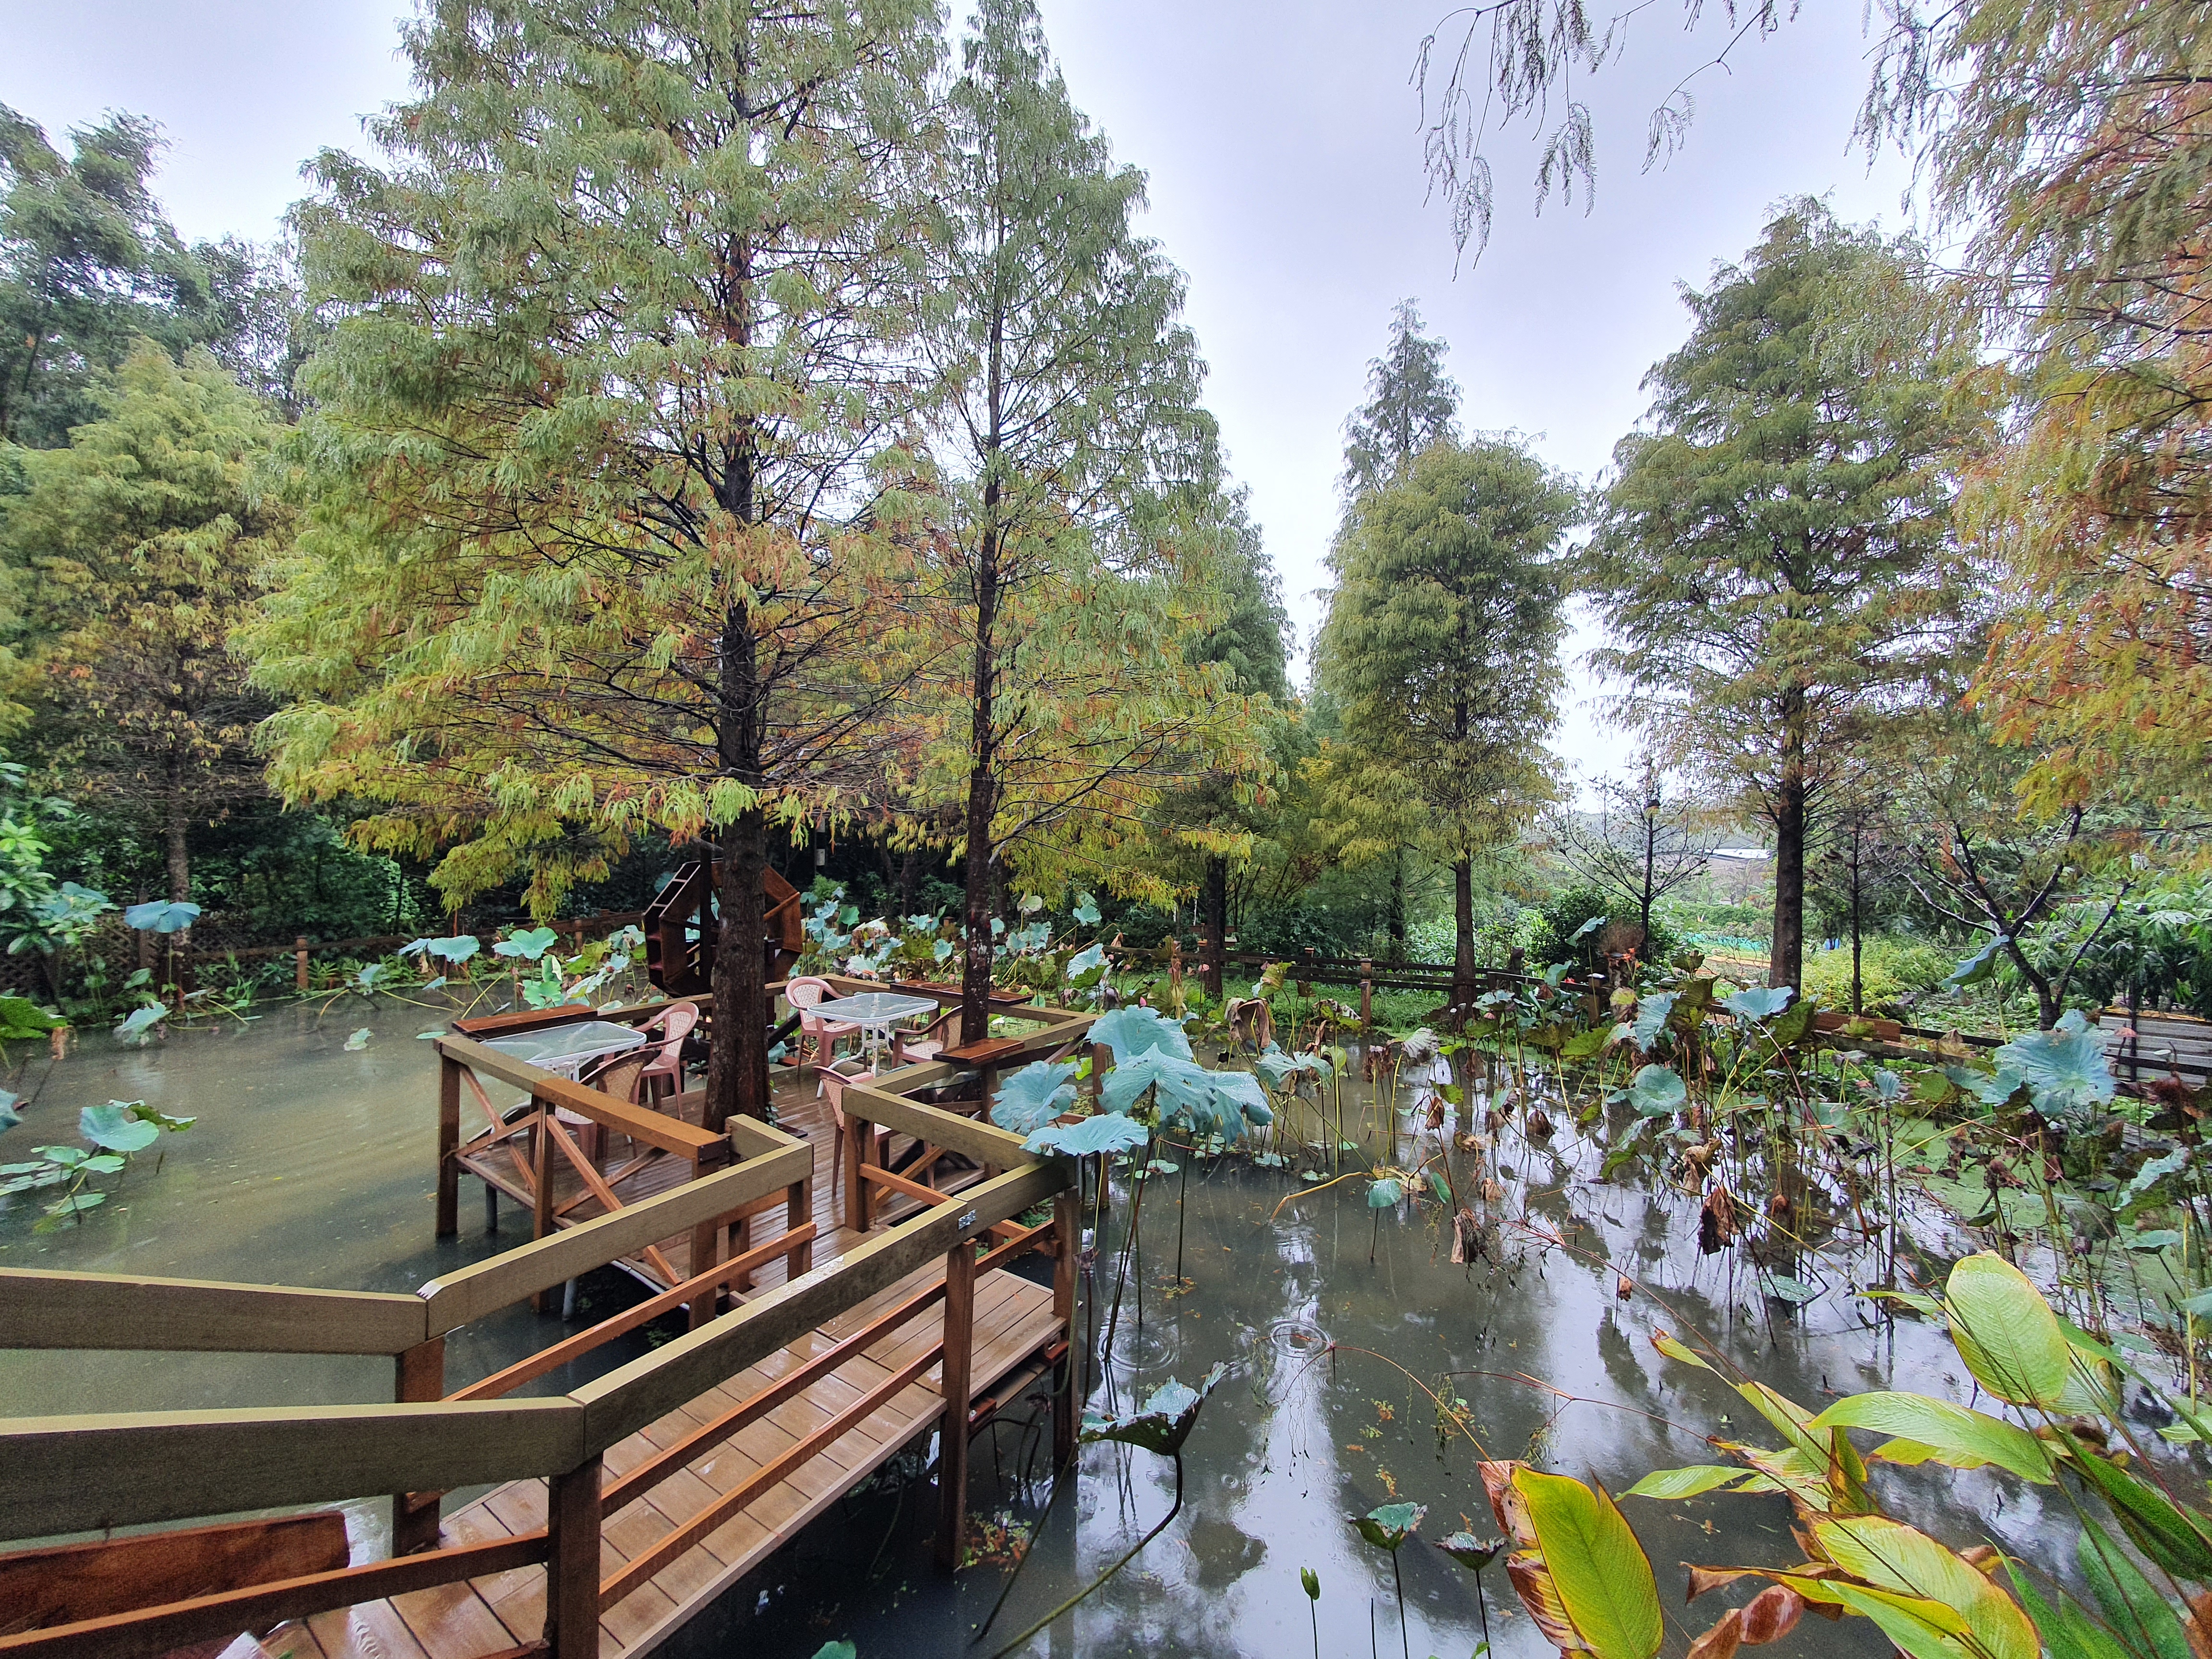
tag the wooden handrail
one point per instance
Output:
(43, 1309)
(552, 1358)
(467, 1295)
(90, 1473)
(986, 1143)
(648, 1128)
(219, 1617)
(647, 1389)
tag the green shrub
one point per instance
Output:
(1891, 971)
(1564, 915)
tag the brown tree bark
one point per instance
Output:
(1786, 958)
(1463, 947)
(982, 790)
(1213, 971)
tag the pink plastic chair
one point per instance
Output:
(664, 1070)
(911, 1047)
(832, 1087)
(808, 993)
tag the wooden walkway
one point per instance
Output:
(818, 1350)
(1014, 1323)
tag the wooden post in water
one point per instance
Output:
(420, 1378)
(449, 1144)
(1068, 1235)
(952, 1438)
(571, 1566)
(1366, 995)
(300, 961)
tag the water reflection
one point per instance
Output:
(313, 1165)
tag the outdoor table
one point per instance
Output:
(875, 1012)
(568, 1048)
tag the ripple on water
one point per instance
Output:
(1300, 1338)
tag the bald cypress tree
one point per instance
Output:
(1774, 557)
(1084, 554)
(605, 447)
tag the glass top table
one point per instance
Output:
(875, 1012)
(567, 1049)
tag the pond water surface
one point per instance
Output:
(312, 1165)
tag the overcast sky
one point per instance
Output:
(1283, 144)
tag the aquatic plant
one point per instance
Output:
(116, 1130)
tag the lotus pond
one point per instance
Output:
(1381, 1303)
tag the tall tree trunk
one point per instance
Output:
(982, 788)
(737, 1066)
(177, 856)
(1858, 982)
(1463, 919)
(1786, 963)
(1398, 903)
(1213, 922)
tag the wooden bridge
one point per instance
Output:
(822, 1340)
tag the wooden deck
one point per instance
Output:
(639, 1172)
(826, 1335)
(1014, 1324)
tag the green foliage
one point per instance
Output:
(1773, 555)
(144, 541)
(1411, 403)
(1566, 936)
(118, 1129)
(1894, 973)
(87, 264)
(1440, 648)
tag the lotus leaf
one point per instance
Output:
(1390, 1526)
(1977, 967)
(1163, 1423)
(1383, 1194)
(1176, 1081)
(2064, 1070)
(1651, 1014)
(1034, 1095)
(1131, 1030)
(1476, 1554)
(1760, 1004)
(1107, 1132)
(162, 916)
(1656, 1091)
(113, 1127)
(141, 1021)
(1086, 910)
(530, 943)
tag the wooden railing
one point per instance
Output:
(92, 1472)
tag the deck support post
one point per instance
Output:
(449, 1144)
(955, 1371)
(797, 1211)
(1067, 1239)
(541, 1209)
(706, 1243)
(859, 1192)
(572, 1564)
(420, 1376)
(1366, 996)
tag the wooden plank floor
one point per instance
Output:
(1014, 1323)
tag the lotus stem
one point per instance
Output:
(1173, 1510)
